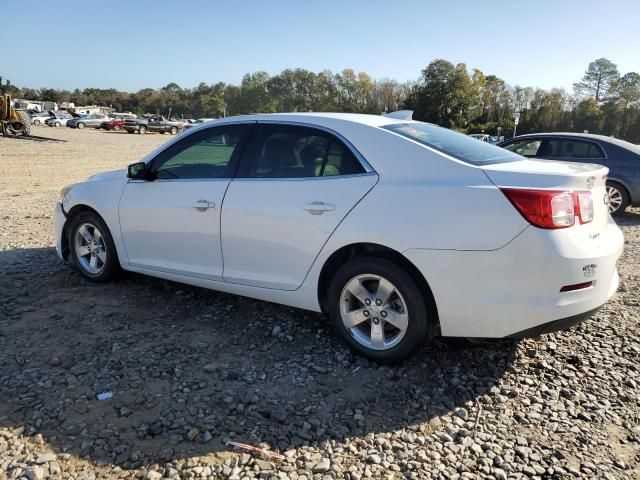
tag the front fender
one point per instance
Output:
(104, 198)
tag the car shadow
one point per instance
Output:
(188, 369)
(631, 217)
(33, 138)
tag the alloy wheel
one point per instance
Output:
(615, 198)
(90, 249)
(374, 312)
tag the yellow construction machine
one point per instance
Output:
(12, 122)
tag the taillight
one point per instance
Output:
(551, 208)
(543, 208)
(584, 206)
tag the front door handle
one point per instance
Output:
(318, 208)
(203, 205)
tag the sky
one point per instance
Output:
(136, 44)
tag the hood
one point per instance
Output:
(112, 174)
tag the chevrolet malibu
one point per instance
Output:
(398, 230)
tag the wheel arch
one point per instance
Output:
(75, 210)
(354, 250)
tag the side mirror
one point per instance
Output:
(138, 171)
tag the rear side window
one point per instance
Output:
(288, 151)
(459, 146)
(570, 149)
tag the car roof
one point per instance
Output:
(321, 117)
(585, 136)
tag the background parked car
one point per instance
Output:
(59, 120)
(154, 123)
(114, 124)
(622, 158)
(41, 117)
(197, 122)
(91, 120)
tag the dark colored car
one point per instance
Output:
(155, 123)
(622, 158)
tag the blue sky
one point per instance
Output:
(134, 44)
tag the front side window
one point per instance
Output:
(204, 154)
(570, 149)
(459, 146)
(526, 148)
(285, 151)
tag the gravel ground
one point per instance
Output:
(190, 369)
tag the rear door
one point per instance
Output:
(294, 186)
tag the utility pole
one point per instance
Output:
(516, 120)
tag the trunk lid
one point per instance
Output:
(556, 175)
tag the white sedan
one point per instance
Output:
(398, 230)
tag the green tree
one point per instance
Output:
(600, 76)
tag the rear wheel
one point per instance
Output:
(618, 198)
(36, 122)
(91, 247)
(174, 130)
(116, 128)
(378, 309)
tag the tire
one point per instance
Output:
(406, 305)
(142, 129)
(36, 122)
(26, 131)
(116, 128)
(57, 124)
(95, 240)
(173, 130)
(618, 197)
(80, 125)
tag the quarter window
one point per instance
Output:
(204, 154)
(285, 151)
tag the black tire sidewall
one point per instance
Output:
(626, 200)
(416, 305)
(112, 265)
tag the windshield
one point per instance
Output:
(461, 147)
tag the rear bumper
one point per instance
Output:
(515, 290)
(554, 326)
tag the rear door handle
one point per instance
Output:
(203, 205)
(317, 208)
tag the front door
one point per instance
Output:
(295, 185)
(172, 223)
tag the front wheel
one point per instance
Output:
(116, 128)
(58, 124)
(91, 247)
(378, 309)
(36, 122)
(80, 125)
(142, 129)
(618, 198)
(173, 130)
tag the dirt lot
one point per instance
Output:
(190, 369)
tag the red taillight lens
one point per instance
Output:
(584, 206)
(543, 208)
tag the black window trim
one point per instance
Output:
(234, 161)
(243, 169)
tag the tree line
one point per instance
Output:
(603, 101)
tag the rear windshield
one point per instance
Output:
(457, 145)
